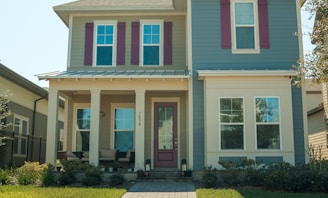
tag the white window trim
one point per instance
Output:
(256, 123)
(161, 45)
(234, 49)
(234, 123)
(112, 133)
(75, 107)
(21, 118)
(104, 22)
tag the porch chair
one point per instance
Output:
(127, 157)
(85, 156)
(107, 155)
(70, 156)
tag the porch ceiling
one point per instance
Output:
(116, 74)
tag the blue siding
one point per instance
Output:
(237, 160)
(208, 55)
(269, 160)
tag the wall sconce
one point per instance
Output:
(102, 114)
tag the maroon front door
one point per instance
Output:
(165, 137)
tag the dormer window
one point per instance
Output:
(105, 42)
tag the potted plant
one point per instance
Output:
(140, 173)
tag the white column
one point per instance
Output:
(140, 130)
(94, 127)
(52, 126)
(68, 122)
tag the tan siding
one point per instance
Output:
(319, 139)
(325, 97)
(179, 40)
(316, 122)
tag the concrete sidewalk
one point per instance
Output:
(161, 189)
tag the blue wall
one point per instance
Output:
(208, 55)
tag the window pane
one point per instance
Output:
(124, 141)
(267, 109)
(165, 128)
(16, 145)
(83, 118)
(100, 39)
(244, 13)
(101, 29)
(24, 129)
(155, 39)
(82, 140)
(231, 110)
(109, 29)
(232, 137)
(109, 39)
(151, 55)
(124, 118)
(104, 55)
(155, 29)
(17, 125)
(245, 37)
(147, 29)
(23, 147)
(147, 39)
(268, 137)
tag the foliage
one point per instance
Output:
(48, 176)
(210, 177)
(92, 176)
(69, 170)
(4, 113)
(116, 180)
(67, 192)
(4, 176)
(315, 64)
(30, 173)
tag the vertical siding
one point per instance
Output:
(178, 40)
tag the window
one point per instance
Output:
(151, 49)
(82, 129)
(245, 26)
(105, 50)
(231, 125)
(21, 125)
(123, 129)
(267, 122)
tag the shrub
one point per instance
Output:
(68, 173)
(4, 177)
(30, 173)
(48, 176)
(278, 177)
(92, 176)
(210, 178)
(116, 180)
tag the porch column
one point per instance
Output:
(94, 127)
(68, 124)
(140, 130)
(52, 126)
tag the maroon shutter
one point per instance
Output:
(225, 24)
(88, 45)
(120, 53)
(135, 40)
(167, 43)
(263, 23)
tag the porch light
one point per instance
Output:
(148, 165)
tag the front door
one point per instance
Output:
(165, 137)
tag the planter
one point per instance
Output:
(188, 173)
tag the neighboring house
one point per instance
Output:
(177, 80)
(28, 122)
(317, 128)
(244, 101)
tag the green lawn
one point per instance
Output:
(251, 193)
(64, 192)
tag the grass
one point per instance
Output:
(64, 192)
(251, 193)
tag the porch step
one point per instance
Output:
(165, 174)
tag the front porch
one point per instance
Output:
(147, 115)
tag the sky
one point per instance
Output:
(34, 40)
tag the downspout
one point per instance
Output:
(33, 123)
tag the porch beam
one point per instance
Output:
(94, 127)
(140, 129)
(52, 127)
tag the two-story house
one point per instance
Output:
(200, 80)
(127, 80)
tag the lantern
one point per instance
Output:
(147, 165)
(183, 165)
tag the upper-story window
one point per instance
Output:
(105, 43)
(151, 40)
(245, 36)
(244, 25)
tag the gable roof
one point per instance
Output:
(119, 6)
(12, 76)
